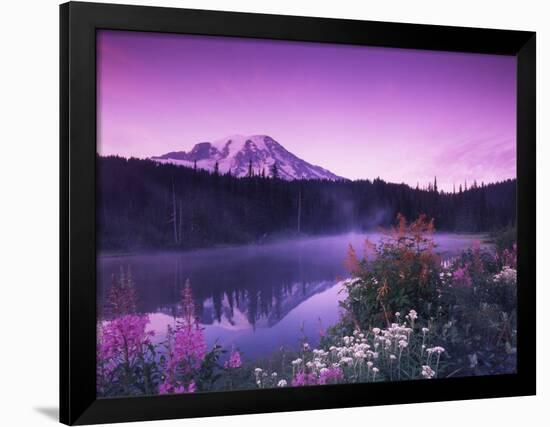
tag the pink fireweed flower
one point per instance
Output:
(187, 352)
(186, 347)
(189, 348)
(165, 388)
(302, 379)
(123, 338)
(179, 388)
(234, 361)
(461, 277)
(330, 375)
(120, 342)
(299, 379)
(192, 387)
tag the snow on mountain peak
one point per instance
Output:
(237, 153)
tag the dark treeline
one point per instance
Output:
(146, 205)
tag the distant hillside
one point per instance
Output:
(146, 205)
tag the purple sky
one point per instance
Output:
(362, 112)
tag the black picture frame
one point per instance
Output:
(78, 24)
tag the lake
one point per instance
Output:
(256, 298)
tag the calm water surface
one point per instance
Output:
(256, 298)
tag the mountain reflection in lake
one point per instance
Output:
(256, 298)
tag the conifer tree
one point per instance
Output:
(274, 171)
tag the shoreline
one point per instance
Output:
(484, 237)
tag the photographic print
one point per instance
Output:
(276, 214)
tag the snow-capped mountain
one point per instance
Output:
(236, 153)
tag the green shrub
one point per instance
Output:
(403, 273)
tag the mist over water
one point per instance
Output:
(256, 297)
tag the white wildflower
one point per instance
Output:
(346, 361)
(427, 372)
(359, 354)
(507, 276)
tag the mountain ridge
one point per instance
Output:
(237, 154)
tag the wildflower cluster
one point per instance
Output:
(128, 363)
(461, 277)
(265, 379)
(464, 323)
(123, 339)
(186, 350)
(400, 351)
(124, 349)
(123, 352)
(402, 348)
(403, 272)
(507, 276)
(315, 368)
(234, 361)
